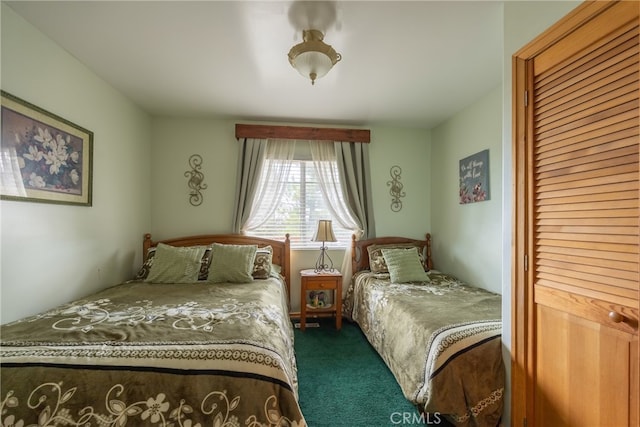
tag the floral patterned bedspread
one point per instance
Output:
(440, 339)
(154, 354)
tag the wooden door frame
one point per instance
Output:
(522, 313)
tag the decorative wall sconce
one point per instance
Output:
(396, 188)
(195, 180)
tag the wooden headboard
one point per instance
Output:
(360, 255)
(281, 248)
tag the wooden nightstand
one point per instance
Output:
(312, 281)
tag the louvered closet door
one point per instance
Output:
(585, 225)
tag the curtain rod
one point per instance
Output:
(294, 132)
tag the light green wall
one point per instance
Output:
(175, 139)
(54, 253)
(467, 238)
(411, 150)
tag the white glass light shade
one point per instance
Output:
(312, 65)
(313, 58)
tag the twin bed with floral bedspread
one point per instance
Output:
(440, 337)
(201, 337)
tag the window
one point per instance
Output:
(300, 207)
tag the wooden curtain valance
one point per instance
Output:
(294, 132)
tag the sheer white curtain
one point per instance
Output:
(12, 182)
(275, 171)
(325, 164)
(323, 155)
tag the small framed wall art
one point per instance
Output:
(45, 158)
(474, 178)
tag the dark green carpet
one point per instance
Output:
(344, 382)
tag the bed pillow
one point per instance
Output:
(232, 263)
(146, 267)
(262, 263)
(176, 264)
(205, 264)
(404, 265)
(144, 270)
(377, 263)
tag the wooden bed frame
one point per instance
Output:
(360, 255)
(281, 249)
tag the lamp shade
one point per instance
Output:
(313, 58)
(324, 233)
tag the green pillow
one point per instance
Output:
(232, 263)
(176, 264)
(404, 265)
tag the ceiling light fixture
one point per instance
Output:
(313, 58)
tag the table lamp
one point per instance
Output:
(324, 233)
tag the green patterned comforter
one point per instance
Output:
(441, 340)
(154, 354)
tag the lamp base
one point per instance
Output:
(321, 264)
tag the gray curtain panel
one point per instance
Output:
(355, 176)
(250, 160)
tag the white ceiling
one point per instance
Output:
(411, 63)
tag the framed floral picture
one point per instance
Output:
(44, 158)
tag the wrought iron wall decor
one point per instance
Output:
(396, 188)
(195, 180)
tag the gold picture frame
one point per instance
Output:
(44, 158)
